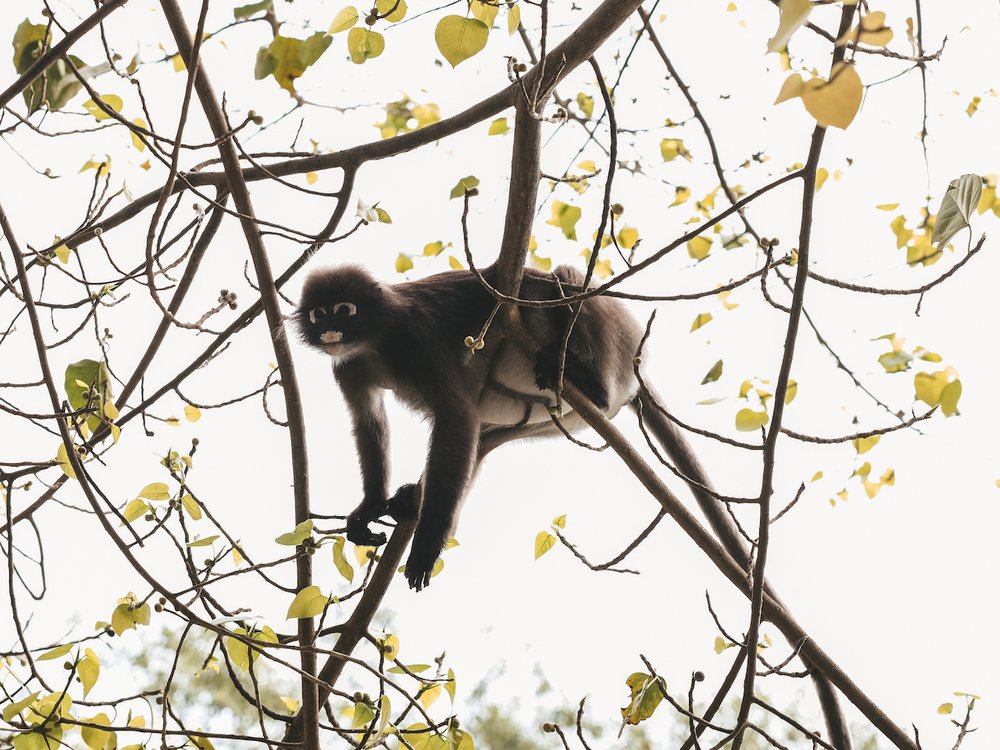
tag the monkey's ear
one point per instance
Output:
(379, 288)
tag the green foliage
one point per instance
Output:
(287, 58)
(58, 85)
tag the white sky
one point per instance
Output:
(899, 590)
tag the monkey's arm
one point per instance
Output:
(454, 445)
(371, 437)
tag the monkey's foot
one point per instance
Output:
(403, 505)
(359, 533)
(546, 370)
(420, 564)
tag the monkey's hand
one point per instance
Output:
(403, 505)
(357, 523)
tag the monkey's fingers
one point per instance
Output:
(359, 533)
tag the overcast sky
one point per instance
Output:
(899, 590)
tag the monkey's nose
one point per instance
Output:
(331, 337)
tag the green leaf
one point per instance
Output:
(294, 538)
(62, 458)
(959, 201)
(13, 709)
(344, 20)
(565, 217)
(646, 694)
(464, 185)
(364, 44)
(88, 382)
(460, 38)
(287, 58)
(124, 618)
(340, 561)
(363, 714)
(88, 669)
(56, 652)
(714, 374)
(309, 602)
(245, 11)
(207, 541)
(240, 653)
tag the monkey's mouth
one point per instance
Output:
(333, 343)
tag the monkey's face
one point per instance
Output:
(339, 311)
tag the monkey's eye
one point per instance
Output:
(317, 313)
(345, 309)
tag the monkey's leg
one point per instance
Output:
(586, 378)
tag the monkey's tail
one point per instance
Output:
(677, 448)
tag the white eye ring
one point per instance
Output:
(315, 314)
(345, 308)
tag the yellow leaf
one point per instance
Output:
(403, 263)
(192, 413)
(863, 445)
(834, 102)
(88, 669)
(721, 644)
(311, 178)
(432, 249)
(56, 652)
(62, 458)
(499, 126)
(62, 253)
(887, 206)
(389, 647)
(713, 374)
(699, 247)
(513, 19)
(460, 38)
(155, 491)
(291, 705)
(792, 88)
(748, 420)
(363, 554)
(791, 392)
(949, 398)
(398, 10)
(431, 694)
(192, 507)
(137, 142)
(455, 263)
(565, 217)
(343, 567)
(485, 11)
(135, 509)
(700, 320)
(821, 177)
(793, 14)
(179, 66)
(93, 737)
(872, 30)
(309, 602)
(817, 476)
(945, 708)
(364, 44)
(627, 237)
(681, 195)
(110, 100)
(671, 148)
(603, 268)
(731, 7)
(110, 410)
(560, 521)
(345, 19)
(543, 543)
